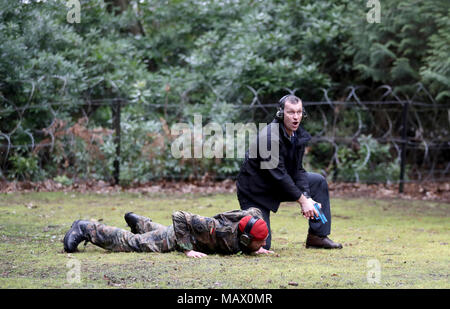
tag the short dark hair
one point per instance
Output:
(289, 98)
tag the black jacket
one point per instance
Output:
(286, 181)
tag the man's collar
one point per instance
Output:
(285, 132)
(283, 129)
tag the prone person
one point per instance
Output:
(225, 233)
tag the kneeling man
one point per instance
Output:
(266, 181)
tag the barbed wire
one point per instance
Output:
(342, 123)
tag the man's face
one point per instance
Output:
(292, 116)
(256, 244)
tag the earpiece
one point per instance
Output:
(246, 238)
(280, 112)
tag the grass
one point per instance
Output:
(409, 240)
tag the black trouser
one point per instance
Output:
(319, 192)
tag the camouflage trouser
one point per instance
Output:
(151, 237)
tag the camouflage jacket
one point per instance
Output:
(218, 234)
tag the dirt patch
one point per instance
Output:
(430, 191)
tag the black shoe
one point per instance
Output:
(75, 235)
(313, 241)
(132, 220)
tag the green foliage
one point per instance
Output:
(64, 180)
(213, 52)
(370, 162)
(25, 168)
(140, 160)
(436, 69)
(195, 57)
(320, 157)
(410, 45)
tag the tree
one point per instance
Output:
(410, 45)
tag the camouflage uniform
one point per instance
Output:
(157, 238)
(218, 234)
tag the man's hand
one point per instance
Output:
(307, 205)
(263, 251)
(194, 254)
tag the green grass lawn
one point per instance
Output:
(408, 240)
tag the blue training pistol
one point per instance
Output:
(321, 215)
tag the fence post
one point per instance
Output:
(404, 145)
(115, 107)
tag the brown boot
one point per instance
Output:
(313, 241)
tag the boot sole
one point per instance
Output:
(67, 236)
